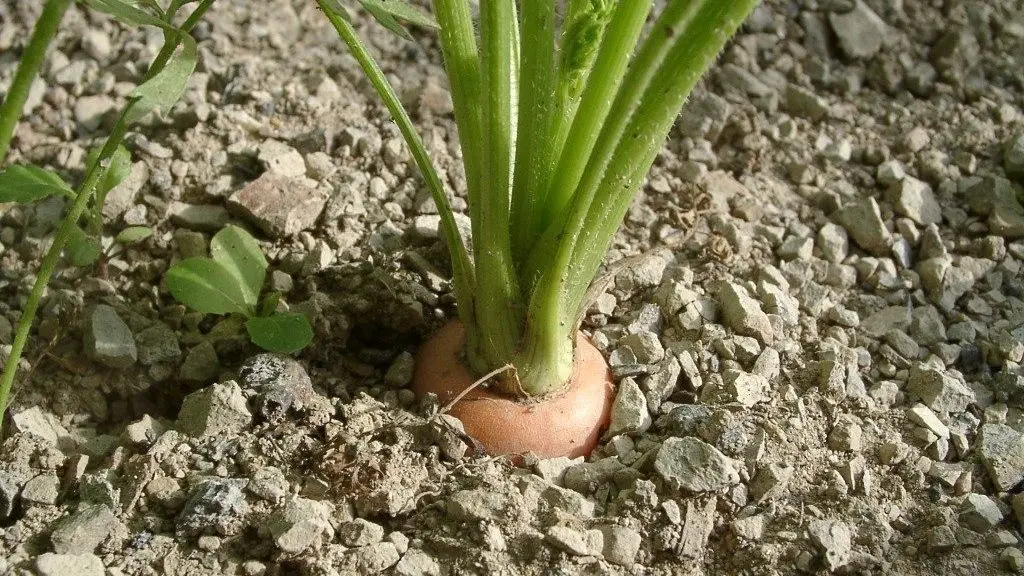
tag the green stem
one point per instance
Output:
(695, 38)
(462, 268)
(616, 49)
(537, 50)
(52, 257)
(32, 59)
(171, 43)
(461, 59)
(498, 309)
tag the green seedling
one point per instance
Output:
(560, 117)
(161, 88)
(231, 282)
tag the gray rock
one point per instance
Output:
(695, 465)
(84, 530)
(199, 217)
(770, 482)
(214, 506)
(660, 385)
(371, 559)
(281, 159)
(43, 489)
(144, 431)
(939, 389)
(96, 44)
(629, 410)
(923, 416)
(745, 388)
(282, 385)
(1013, 158)
(833, 242)
(91, 110)
(300, 524)
(646, 347)
(122, 197)
(279, 206)
(360, 532)
(157, 344)
(833, 539)
(803, 102)
(417, 563)
(214, 410)
(51, 564)
(1002, 451)
(201, 363)
(980, 513)
(477, 504)
(42, 425)
(914, 199)
(621, 544)
(861, 32)
(108, 340)
(863, 221)
(743, 313)
(576, 542)
(553, 469)
(400, 372)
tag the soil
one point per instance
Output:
(813, 312)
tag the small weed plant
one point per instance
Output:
(560, 116)
(231, 282)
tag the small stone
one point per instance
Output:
(157, 344)
(890, 172)
(360, 532)
(216, 505)
(804, 102)
(50, 564)
(300, 524)
(1013, 559)
(846, 436)
(553, 469)
(371, 559)
(833, 242)
(980, 513)
(863, 221)
(646, 347)
(280, 158)
(745, 388)
(96, 44)
(796, 248)
(940, 390)
(201, 363)
(279, 206)
(750, 527)
(923, 416)
(43, 489)
(770, 482)
(108, 340)
(914, 199)
(629, 410)
(84, 530)
(198, 217)
(743, 313)
(915, 140)
(695, 465)
(399, 374)
(282, 385)
(861, 32)
(903, 344)
(214, 410)
(1002, 451)
(576, 542)
(475, 505)
(833, 539)
(621, 544)
(417, 563)
(1013, 158)
(90, 111)
(941, 538)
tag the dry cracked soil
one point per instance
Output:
(815, 316)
